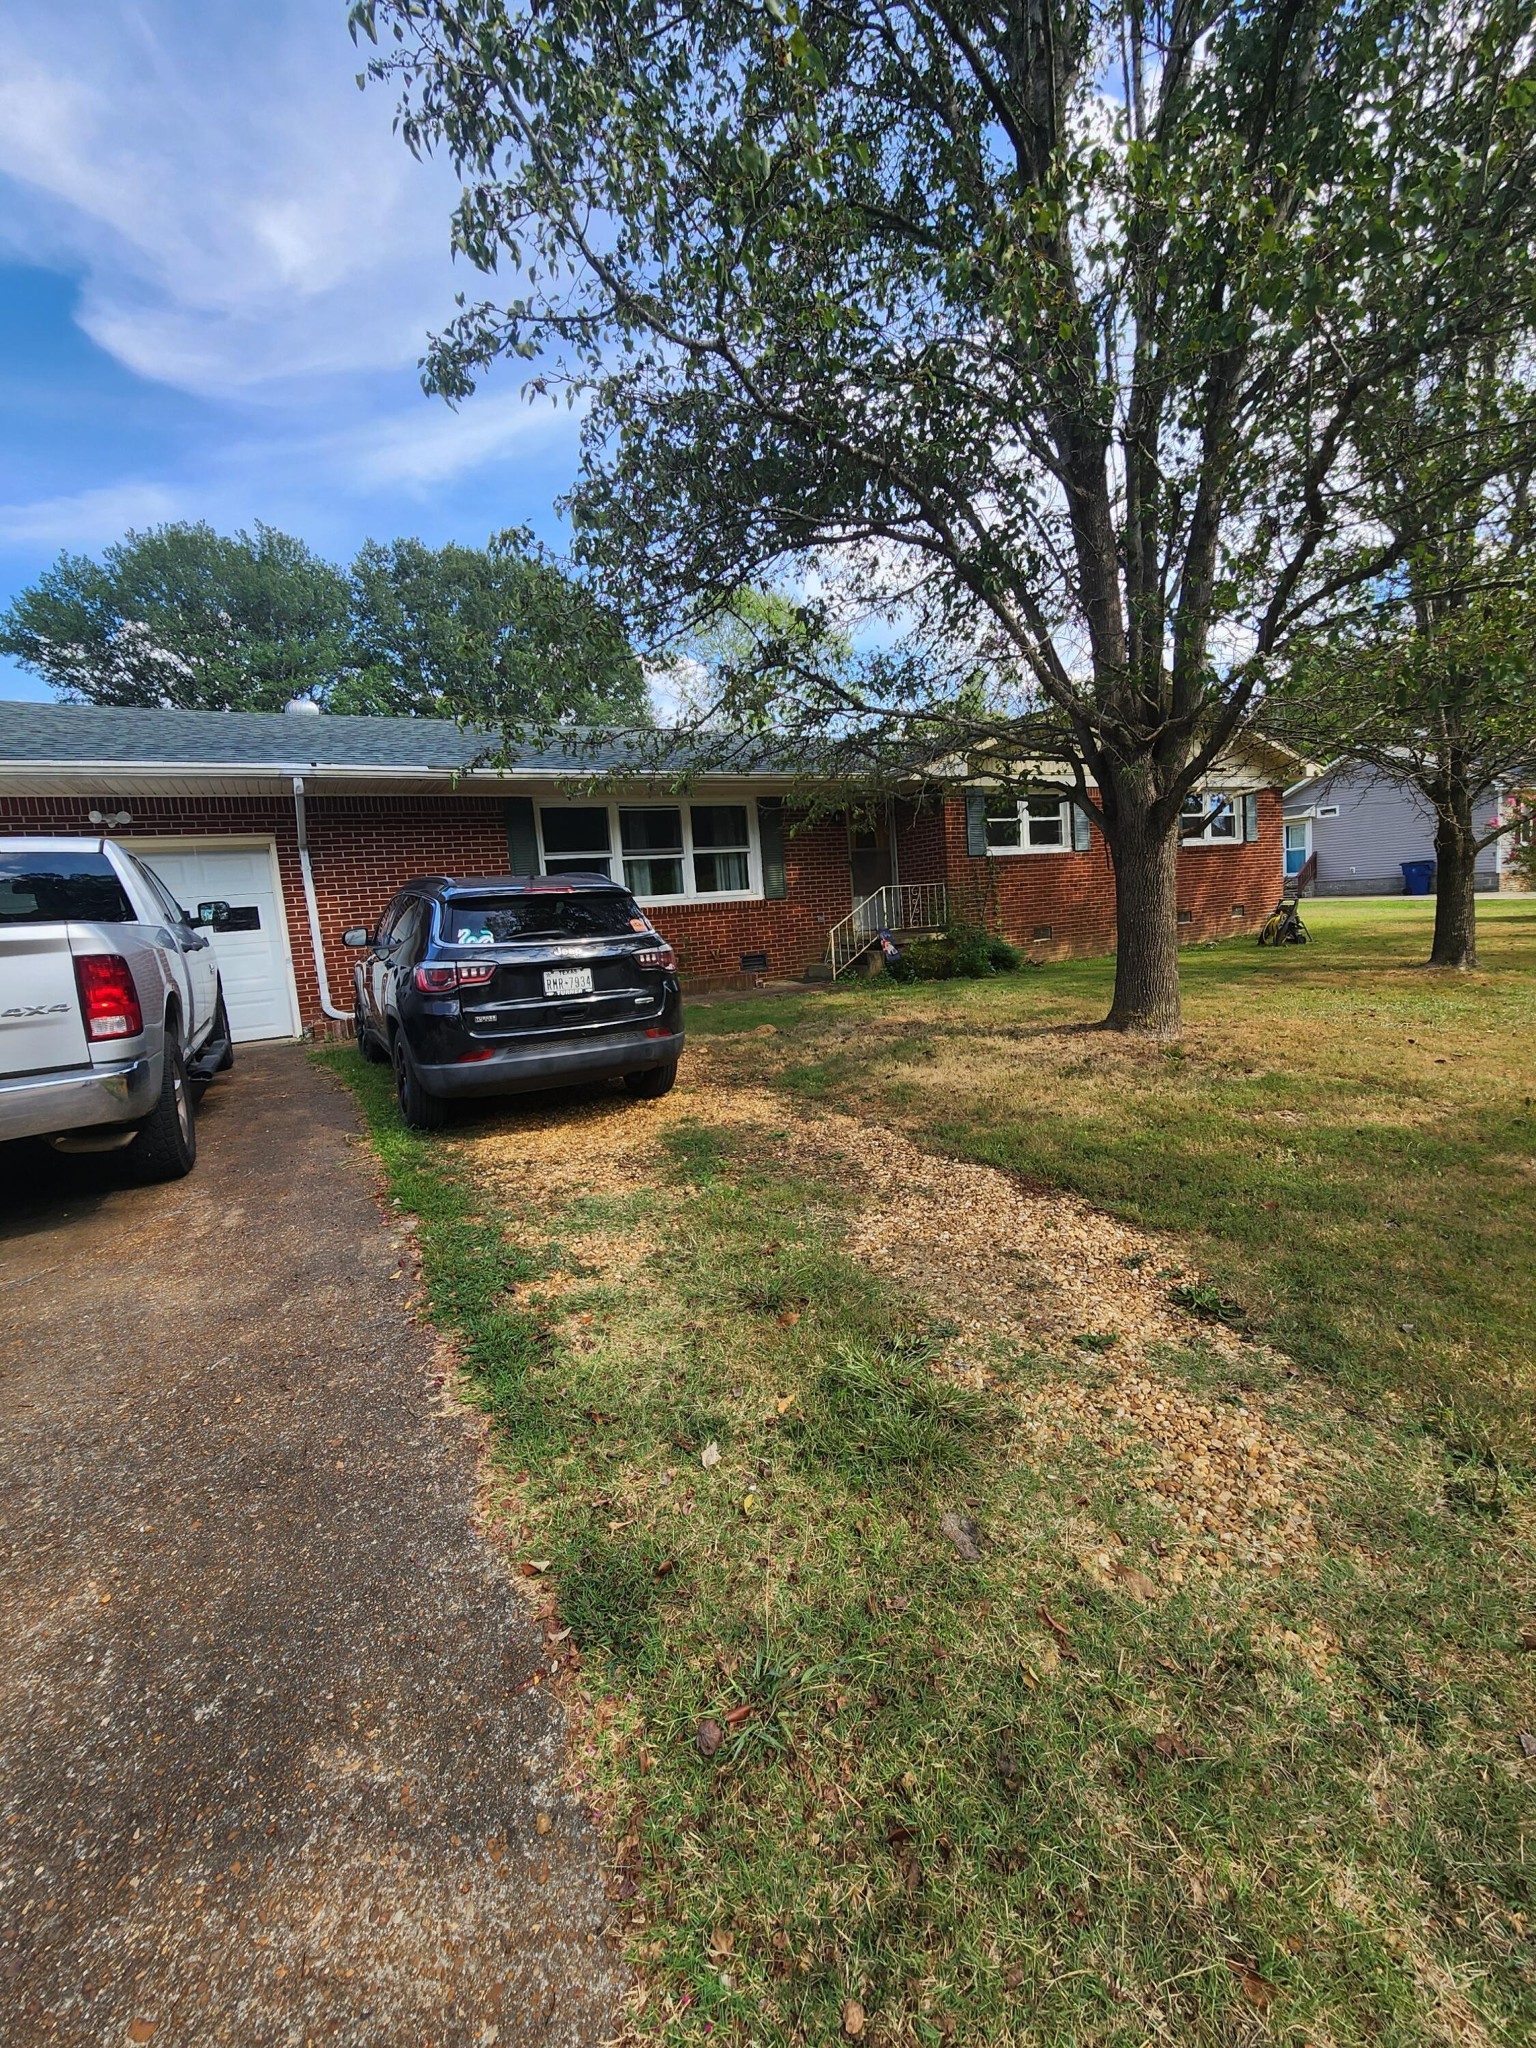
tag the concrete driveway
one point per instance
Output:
(270, 1767)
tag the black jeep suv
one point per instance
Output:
(494, 984)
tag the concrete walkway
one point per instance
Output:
(267, 1774)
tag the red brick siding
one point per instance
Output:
(1074, 893)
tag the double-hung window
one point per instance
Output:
(1028, 824)
(662, 853)
(1209, 817)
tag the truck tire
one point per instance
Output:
(423, 1112)
(166, 1145)
(651, 1081)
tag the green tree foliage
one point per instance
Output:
(1431, 680)
(496, 635)
(1046, 322)
(185, 616)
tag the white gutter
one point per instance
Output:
(315, 940)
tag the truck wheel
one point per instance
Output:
(423, 1112)
(166, 1146)
(221, 1030)
(651, 1081)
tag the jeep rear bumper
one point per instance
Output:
(515, 1068)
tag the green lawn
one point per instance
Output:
(1349, 1138)
(1064, 1792)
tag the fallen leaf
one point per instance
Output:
(1171, 1746)
(709, 1457)
(749, 1504)
(543, 1823)
(738, 1714)
(140, 2030)
(1527, 1743)
(788, 1318)
(853, 2018)
(1528, 1636)
(1256, 1989)
(721, 1942)
(1010, 1767)
(785, 1402)
(1137, 1584)
(532, 1566)
(1014, 1976)
(667, 1565)
(963, 1533)
(708, 1736)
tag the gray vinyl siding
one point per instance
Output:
(1380, 825)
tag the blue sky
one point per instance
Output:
(218, 268)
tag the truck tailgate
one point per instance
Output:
(40, 1026)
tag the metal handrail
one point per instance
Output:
(897, 907)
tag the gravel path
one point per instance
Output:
(273, 1764)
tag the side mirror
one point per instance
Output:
(357, 936)
(229, 917)
(212, 914)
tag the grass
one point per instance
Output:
(1008, 1799)
(1347, 1140)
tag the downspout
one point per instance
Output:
(315, 940)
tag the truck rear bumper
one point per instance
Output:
(77, 1098)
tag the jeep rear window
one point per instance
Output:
(56, 888)
(498, 920)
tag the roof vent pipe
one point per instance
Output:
(315, 940)
(302, 707)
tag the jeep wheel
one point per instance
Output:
(423, 1112)
(367, 1044)
(166, 1146)
(651, 1081)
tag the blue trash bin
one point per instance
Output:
(1418, 877)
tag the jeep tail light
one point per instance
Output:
(444, 976)
(109, 1002)
(661, 958)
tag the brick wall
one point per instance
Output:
(1224, 889)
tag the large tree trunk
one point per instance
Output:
(1146, 858)
(1455, 941)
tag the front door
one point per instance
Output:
(1298, 831)
(869, 853)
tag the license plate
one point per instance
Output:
(568, 981)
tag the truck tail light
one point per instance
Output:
(109, 1002)
(660, 958)
(443, 978)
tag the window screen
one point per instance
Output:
(653, 851)
(720, 855)
(576, 839)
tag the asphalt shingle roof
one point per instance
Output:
(81, 733)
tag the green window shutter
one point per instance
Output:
(770, 838)
(1251, 816)
(1082, 830)
(976, 823)
(522, 839)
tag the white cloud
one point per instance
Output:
(88, 519)
(243, 216)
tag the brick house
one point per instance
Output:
(309, 823)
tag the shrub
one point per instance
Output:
(964, 952)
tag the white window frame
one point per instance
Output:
(1021, 805)
(751, 894)
(1233, 799)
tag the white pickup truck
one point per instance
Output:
(110, 1005)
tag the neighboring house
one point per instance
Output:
(1362, 827)
(308, 824)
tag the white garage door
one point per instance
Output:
(253, 965)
